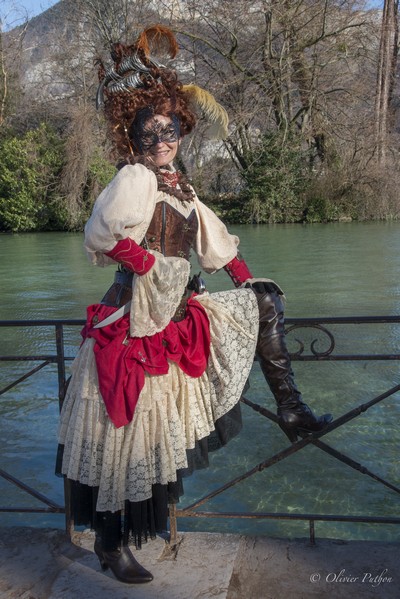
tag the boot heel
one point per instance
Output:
(291, 433)
(99, 553)
(103, 564)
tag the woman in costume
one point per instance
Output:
(159, 375)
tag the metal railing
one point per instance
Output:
(318, 326)
(44, 360)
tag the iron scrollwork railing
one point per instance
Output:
(299, 354)
(318, 326)
(327, 354)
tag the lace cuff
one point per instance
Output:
(157, 294)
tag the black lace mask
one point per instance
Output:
(146, 131)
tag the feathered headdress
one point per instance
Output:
(144, 62)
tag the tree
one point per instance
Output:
(12, 16)
(282, 68)
(268, 59)
(388, 53)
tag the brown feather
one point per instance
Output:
(158, 40)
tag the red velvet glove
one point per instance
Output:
(132, 256)
(238, 271)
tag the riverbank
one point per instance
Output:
(43, 564)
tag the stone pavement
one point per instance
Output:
(43, 564)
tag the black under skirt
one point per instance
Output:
(145, 519)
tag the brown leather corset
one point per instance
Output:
(170, 232)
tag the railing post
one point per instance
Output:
(60, 362)
(312, 532)
(69, 523)
(173, 527)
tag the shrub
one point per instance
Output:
(29, 170)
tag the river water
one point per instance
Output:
(343, 269)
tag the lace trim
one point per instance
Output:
(157, 294)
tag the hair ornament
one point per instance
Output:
(132, 71)
(202, 101)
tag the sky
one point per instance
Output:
(35, 7)
(12, 9)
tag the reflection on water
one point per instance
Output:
(325, 270)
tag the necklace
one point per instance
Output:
(170, 178)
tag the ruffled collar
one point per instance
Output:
(170, 181)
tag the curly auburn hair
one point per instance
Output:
(162, 91)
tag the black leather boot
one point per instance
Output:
(294, 415)
(122, 564)
(112, 554)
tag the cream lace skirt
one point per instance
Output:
(173, 412)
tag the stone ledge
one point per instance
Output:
(42, 564)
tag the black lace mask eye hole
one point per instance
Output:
(169, 134)
(159, 133)
(147, 140)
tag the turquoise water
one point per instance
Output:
(341, 269)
